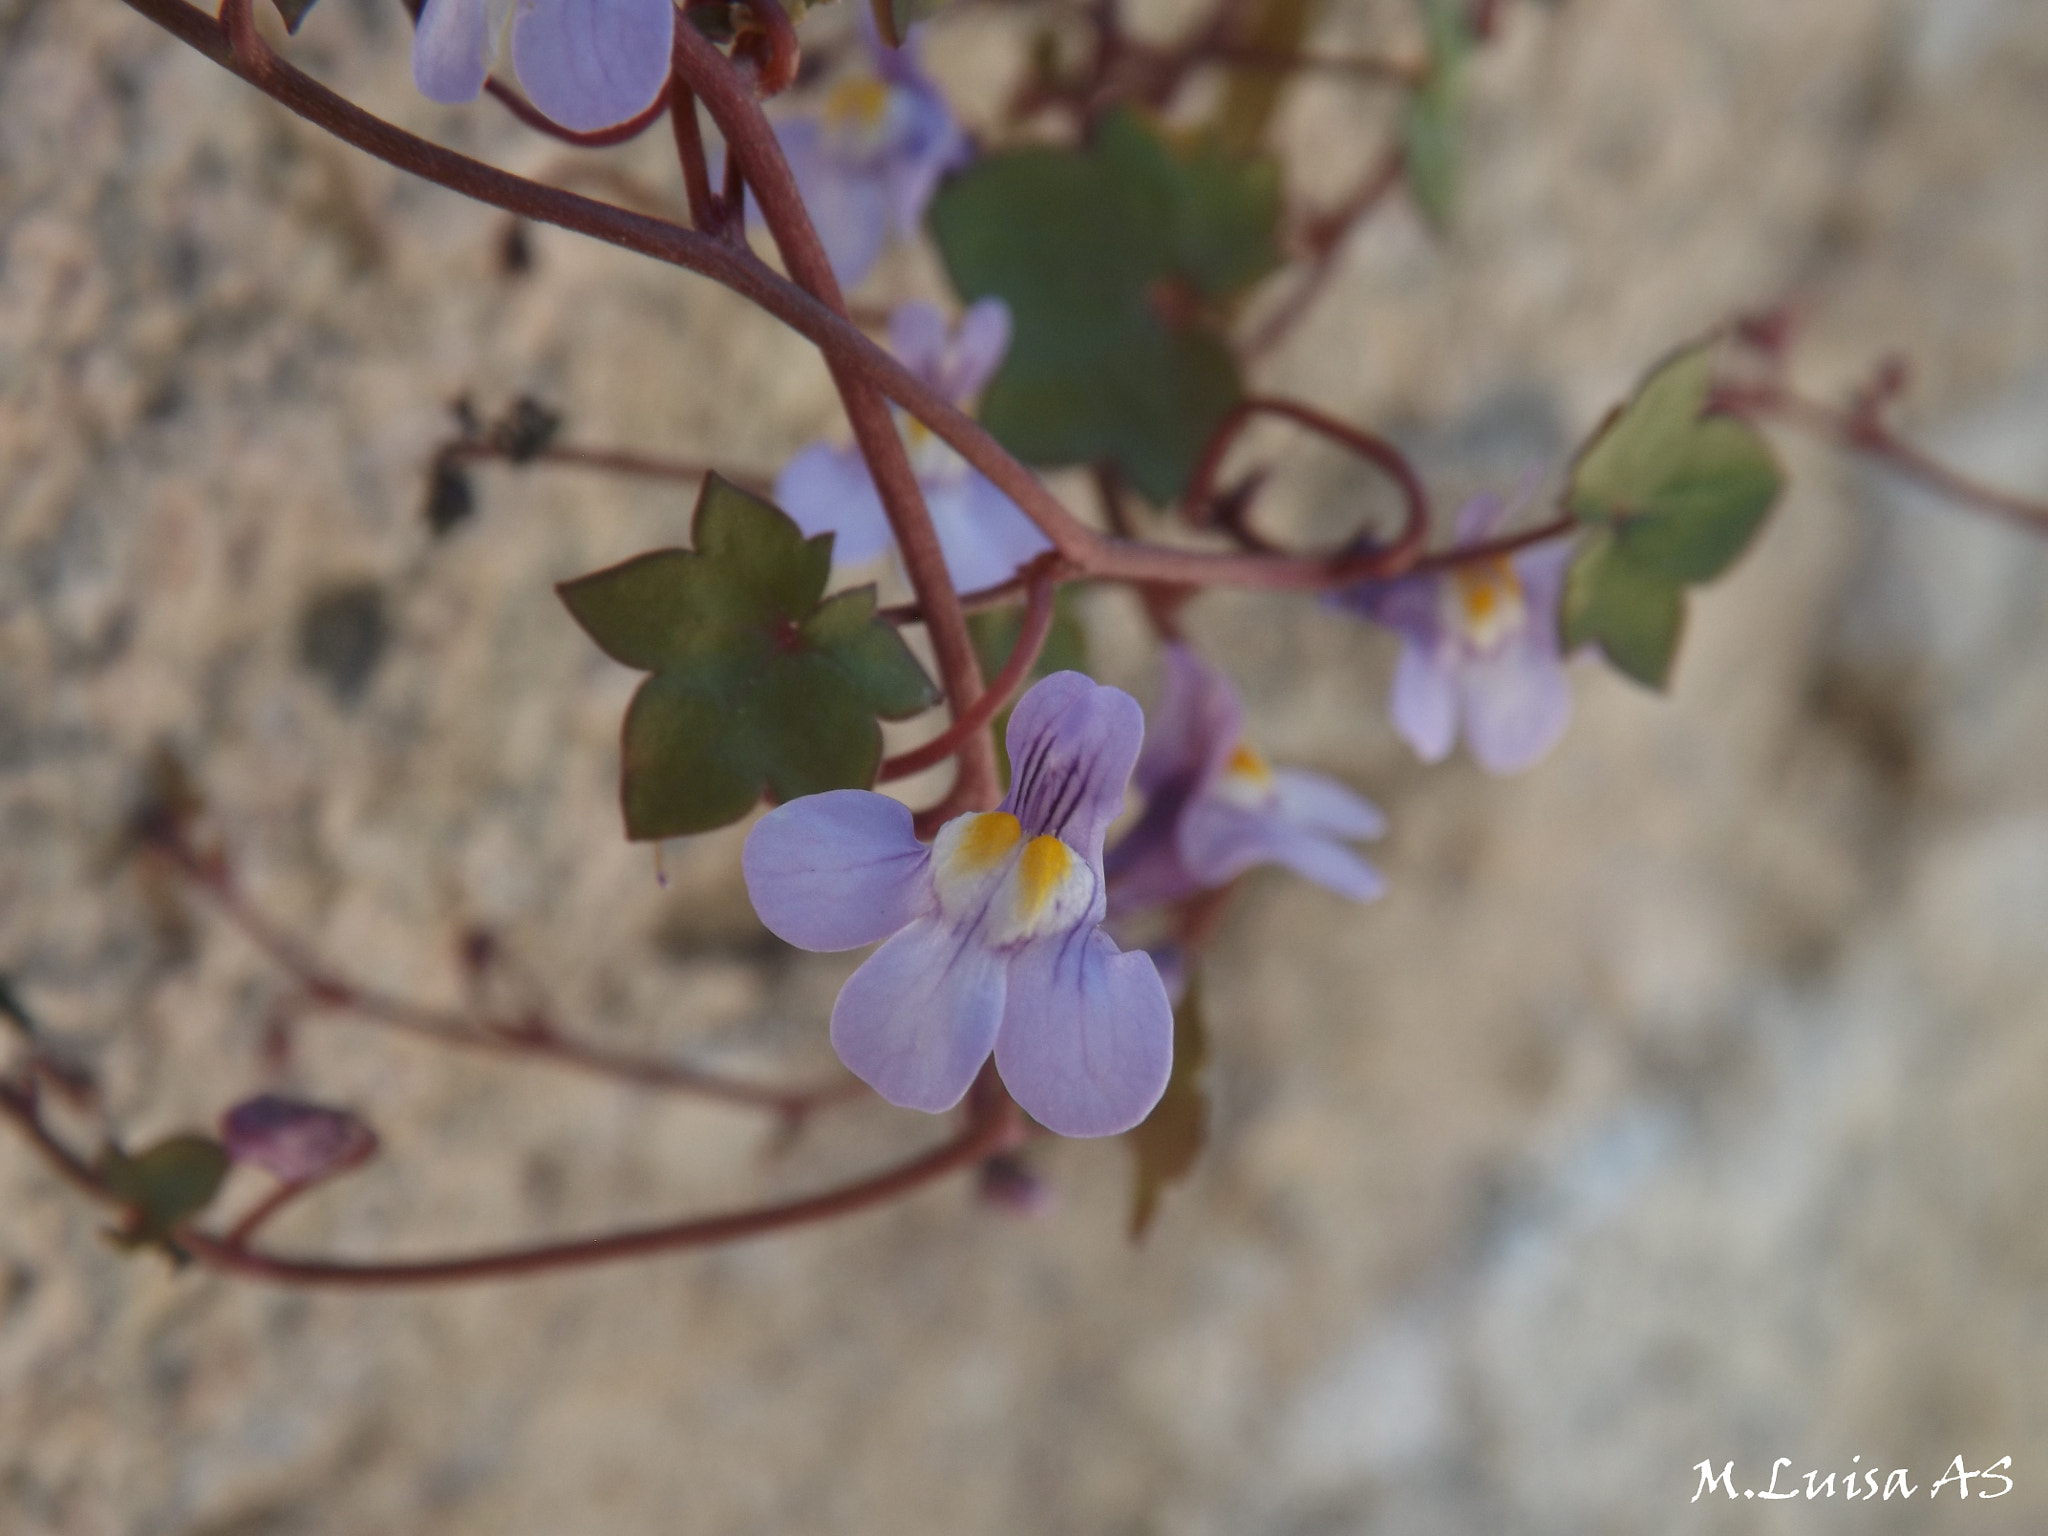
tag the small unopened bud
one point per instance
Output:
(293, 1142)
(1010, 1184)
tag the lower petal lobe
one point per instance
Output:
(1087, 1037)
(916, 1021)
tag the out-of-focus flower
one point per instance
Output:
(295, 1142)
(869, 158)
(586, 64)
(993, 931)
(827, 488)
(1479, 646)
(1214, 807)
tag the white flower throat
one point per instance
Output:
(1483, 602)
(986, 871)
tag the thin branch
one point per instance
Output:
(532, 1038)
(1380, 562)
(1862, 430)
(1494, 549)
(1038, 615)
(1323, 238)
(992, 1126)
(617, 461)
(705, 210)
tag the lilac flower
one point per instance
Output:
(1479, 643)
(587, 64)
(983, 534)
(1214, 808)
(870, 159)
(993, 930)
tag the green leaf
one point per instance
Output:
(1635, 615)
(293, 12)
(759, 681)
(163, 1187)
(1432, 118)
(1165, 1145)
(1686, 491)
(1118, 261)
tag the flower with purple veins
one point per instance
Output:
(1214, 807)
(993, 936)
(1479, 647)
(983, 534)
(870, 158)
(586, 64)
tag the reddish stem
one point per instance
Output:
(1864, 431)
(1324, 237)
(992, 1126)
(1385, 561)
(1494, 549)
(601, 138)
(530, 1038)
(705, 210)
(617, 461)
(1038, 614)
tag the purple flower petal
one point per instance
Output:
(452, 49)
(837, 870)
(1480, 517)
(1191, 731)
(927, 143)
(828, 490)
(589, 64)
(917, 335)
(1220, 841)
(1144, 869)
(850, 207)
(984, 534)
(1319, 804)
(1087, 1034)
(1517, 702)
(917, 1020)
(1424, 703)
(1072, 745)
(978, 351)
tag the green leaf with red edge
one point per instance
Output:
(1120, 261)
(1433, 117)
(163, 1187)
(759, 682)
(1167, 1143)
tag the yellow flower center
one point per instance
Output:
(988, 873)
(1486, 601)
(858, 102)
(1246, 779)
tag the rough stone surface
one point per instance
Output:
(1683, 1100)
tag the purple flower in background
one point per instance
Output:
(993, 930)
(1214, 808)
(870, 158)
(1479, 644)
(587, 64)
(983, 533)
(294, 1142)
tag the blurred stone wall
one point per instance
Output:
(1686, 1098)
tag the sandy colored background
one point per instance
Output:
(1684, 1099)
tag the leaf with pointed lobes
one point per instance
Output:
(295, 1142)
(163, 1187)
(1121, 261)
(1165, 1145)
(1684, 489)
(760, 683)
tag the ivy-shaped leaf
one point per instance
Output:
(166, 1185)
(1165, 1145)
(759, 682)
(1671, 496)
(1119, 261)
(1433, 117)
